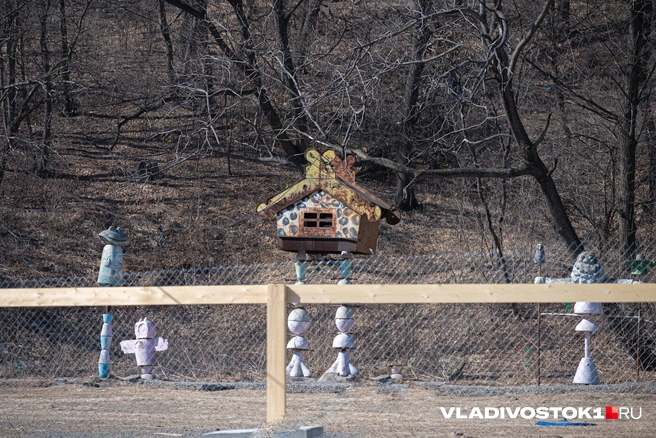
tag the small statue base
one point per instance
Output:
(329, 377)
(296, 367)
(342, 366)
(146, 373)
(103, 371)
(586, 374)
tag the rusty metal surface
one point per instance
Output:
(321, 228)
(318, 245)
(345, 173)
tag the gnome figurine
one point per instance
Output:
(145, 346)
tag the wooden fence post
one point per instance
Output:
(276, 351)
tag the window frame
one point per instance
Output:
(316, 214)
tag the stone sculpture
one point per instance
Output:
(343, 342)
(145, 346)
(539, 257)
(586, 270)
(345, 266)
(109, 274)
(105, 343)
(298, 323)
(111, 263)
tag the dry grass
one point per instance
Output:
(123, 409)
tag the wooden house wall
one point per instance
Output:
(368, 239)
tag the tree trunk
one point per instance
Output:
(208, 64)
(71, 107)
(308, 24)
(12, 44)
(405, 197)
(542, 175)
(639, 31)
(10, 37)
(43, 150)
(166, 34)
(563, 19)
(650, 204)
(528, 150)
(289, 74)
(247, 62)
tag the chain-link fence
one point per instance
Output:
(489, 344)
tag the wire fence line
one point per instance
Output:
(482, 344)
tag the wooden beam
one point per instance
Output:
(132, 296)
(276, 352)
(471, 293)
(311, 293)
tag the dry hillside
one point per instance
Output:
(192, 109)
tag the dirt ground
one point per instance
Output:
(124, 409)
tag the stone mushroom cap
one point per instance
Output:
(298, 343)
(344, 312)
(587, 308)
(587, 326)
(114, 236)
(299, 314)
(343, 340)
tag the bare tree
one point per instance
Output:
(71, 106)
(243, 56)
(634, 92)
(405, 194)
(428, 91)
(29, 84)
(500, 61)
(43, 150)
(166, 34)
(622, 109)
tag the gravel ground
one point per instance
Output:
(114, 408)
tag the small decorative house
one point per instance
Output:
(327, 212)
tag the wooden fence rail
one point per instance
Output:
(277, 296)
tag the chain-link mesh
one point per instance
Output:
(489, 344)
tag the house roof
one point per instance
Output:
(336, 177)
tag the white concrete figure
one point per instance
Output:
(145, 346)
(105, 343)
(298, 323)
(111, 263)
(586, 270)
(344, 342)
(586, 373)
(587, 308)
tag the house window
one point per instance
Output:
(318, 220)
